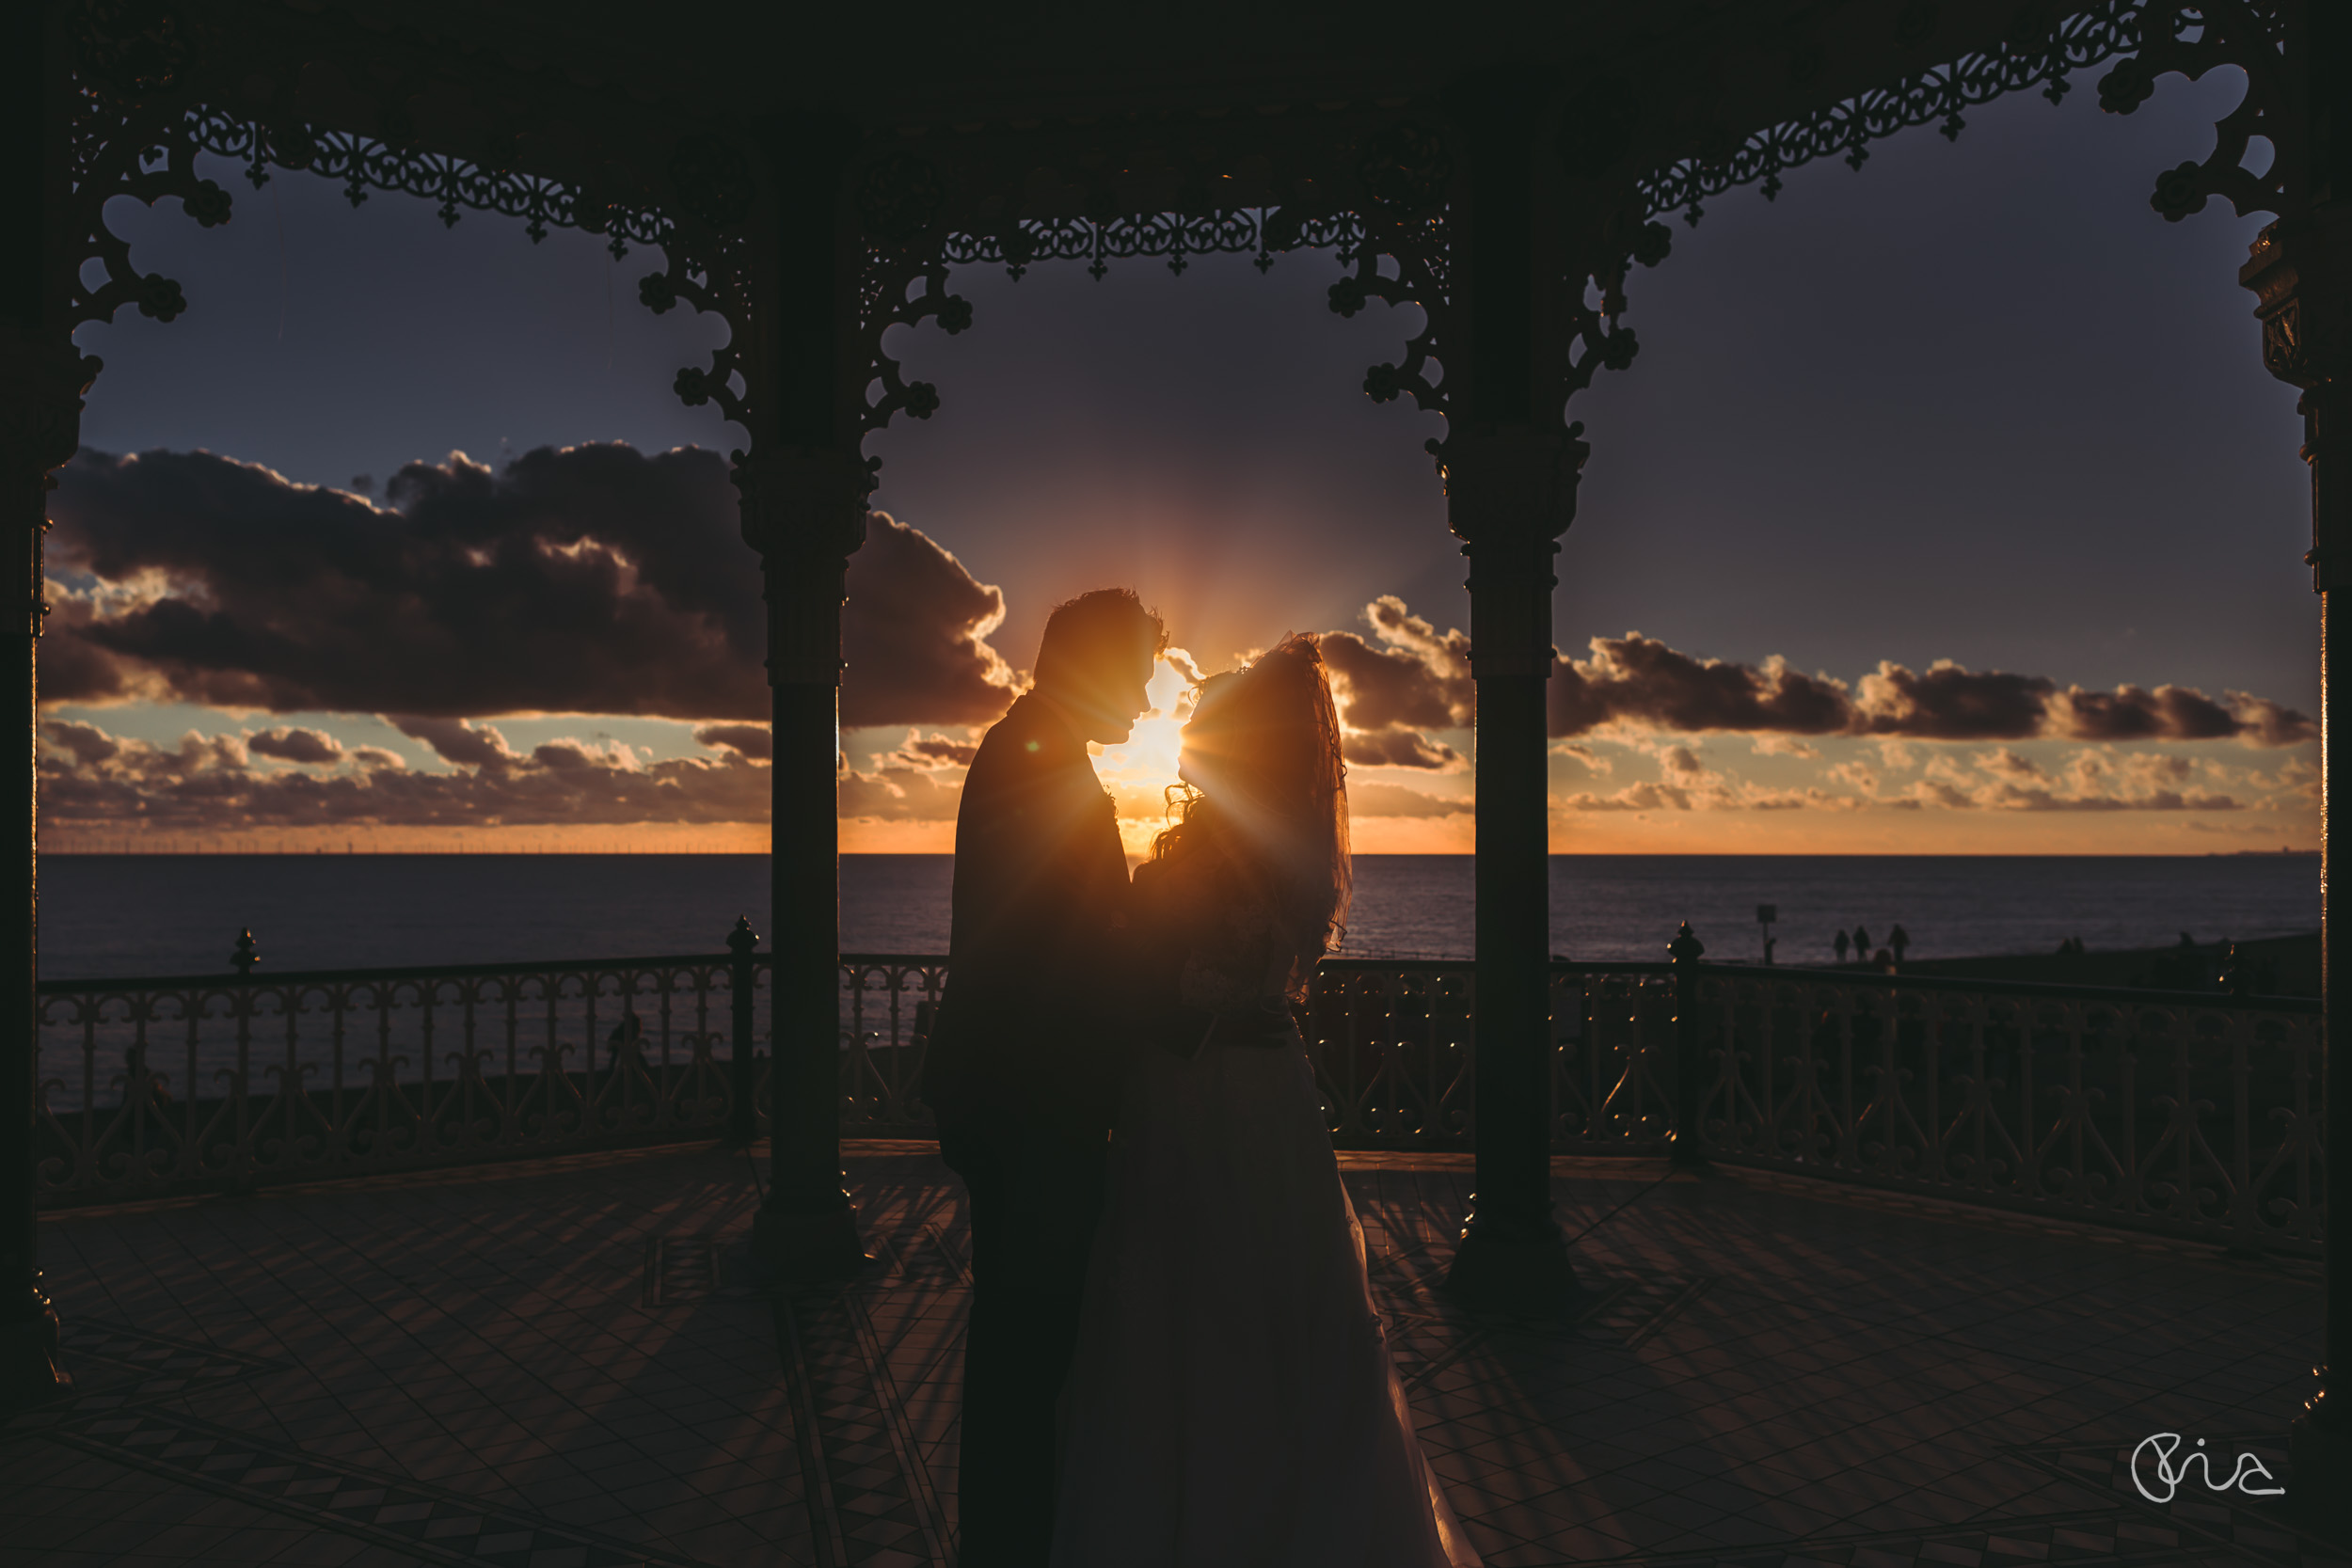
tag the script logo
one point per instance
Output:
(2154, 1460)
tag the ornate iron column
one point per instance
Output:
(2300, 269)
(1511, 473)
(2296, 59)
(803, 489)
(41, 380)
(1510, 494)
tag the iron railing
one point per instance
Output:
(2189, 1114)
(155, 1086)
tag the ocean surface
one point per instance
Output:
(180, 914)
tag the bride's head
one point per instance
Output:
(1261, 755)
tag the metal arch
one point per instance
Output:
(1848, 127)
(363, 164)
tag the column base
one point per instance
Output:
(29, 1372)
(2319, 1478)
(790, 1247)
(1520, 1269)
(1686, 1154)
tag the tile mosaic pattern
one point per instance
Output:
(571, 1362)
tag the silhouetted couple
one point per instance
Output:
(1175, 1355)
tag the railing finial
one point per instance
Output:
(1686, 946)
(2232, 978)
(247, 954)
(743, 1112)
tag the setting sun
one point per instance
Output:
(1139, 772)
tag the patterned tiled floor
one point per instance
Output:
(568, 1363)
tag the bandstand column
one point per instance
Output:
(1510, 475)
(803, 500)
(1510, 495)
(2301, 272)
(41, 380)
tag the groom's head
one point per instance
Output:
(1095, 658)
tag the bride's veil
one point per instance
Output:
(1271, 732)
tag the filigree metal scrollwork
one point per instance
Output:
(118, 152)
(888, 297)
(1407, 169)
(131, 48)
(711, 178)
(2193, 40)
(898, 199)
(1419, 252)
(1416, 247)
(708, 286)
(2042, 49)
(1260, 234)
(364, 164)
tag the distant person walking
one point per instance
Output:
(1898, 938)
(1862, 944)
(1840, 944)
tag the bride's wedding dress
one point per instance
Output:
(1232, 1403)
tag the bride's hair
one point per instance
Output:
(1274, 796)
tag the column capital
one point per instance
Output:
(2300, 270)
(804, 512)
(42, 380)
(1511, 481)
(803, 505)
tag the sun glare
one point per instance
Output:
(1141, 767)
(1147, 759)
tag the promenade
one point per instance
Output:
(562, 1363)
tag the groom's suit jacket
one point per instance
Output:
(1035, 1025)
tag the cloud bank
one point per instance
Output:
(1407, 678)
(581, 580)
(210, 784)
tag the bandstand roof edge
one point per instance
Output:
(1050, 112)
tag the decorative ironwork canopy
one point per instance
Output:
(1025, 136)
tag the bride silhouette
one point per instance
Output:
(1232, 1402)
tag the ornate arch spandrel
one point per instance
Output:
(2192, 41)
(2048, 44)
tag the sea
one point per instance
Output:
(119, 915)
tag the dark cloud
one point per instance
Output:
(2263, 723)
(591, 578)
(1387, 800)
(205, 784)
(1408, 678)
(87, 743)
(1949, 702)
(934, 753)
(460, 743)
(1637, 797)
(914, 635)
(1639, 680)
(296, 745)
(1400, 748)
(1417, 677)
(896, 795)
(2009, 797)
(752, 740)
(2129, 713)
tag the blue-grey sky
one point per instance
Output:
(1976, 402)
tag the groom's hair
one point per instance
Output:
(1096, 629)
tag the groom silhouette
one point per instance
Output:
(1024, 1064)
